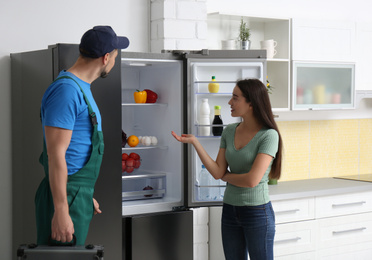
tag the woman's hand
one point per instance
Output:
(96, 207)
(185, 138)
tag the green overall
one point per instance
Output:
(80, 188)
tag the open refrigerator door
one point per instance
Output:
(203, 191)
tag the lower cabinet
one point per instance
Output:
(328, 227)
(336, 227)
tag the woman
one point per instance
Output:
(252, 149)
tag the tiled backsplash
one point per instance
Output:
(326, 148)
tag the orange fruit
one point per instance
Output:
(133, 141)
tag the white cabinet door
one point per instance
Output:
(296, 237)
(338, 205)
(302, 256)
(363, 79)
(323, 40)
(361, 251)
(293, 210)
(344, 230)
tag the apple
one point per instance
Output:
(130, 162)
(130, 169)
(148, 188)
(123, 166)
(124, 156)
(137, 164)
(135, 156)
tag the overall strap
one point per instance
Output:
(92, 114)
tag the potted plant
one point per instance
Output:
(244, 35)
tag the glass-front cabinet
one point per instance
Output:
(323, 85)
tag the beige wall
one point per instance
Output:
(326, 148)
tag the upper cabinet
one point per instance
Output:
(223, 27)
(364, 57)
(323, 40)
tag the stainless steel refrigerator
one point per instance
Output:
(146, 211)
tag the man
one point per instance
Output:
(73, 141)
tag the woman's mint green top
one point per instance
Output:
(240, 161)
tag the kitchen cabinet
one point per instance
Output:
(225, 26)
(323, 40)
(364, 57)
(321, 85)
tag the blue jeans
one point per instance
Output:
(248, 230)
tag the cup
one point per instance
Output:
(269, 46)
(228, 44)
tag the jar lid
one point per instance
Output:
(217, 107)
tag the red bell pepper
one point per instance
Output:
(151, 96)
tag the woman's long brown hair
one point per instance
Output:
(255, 92)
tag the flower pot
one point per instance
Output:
(245, 45)
(273, 181)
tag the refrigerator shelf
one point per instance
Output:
(210, 186)
(220, 82)
(143, 175)
(143, 148)
(209, 125)
(144, 104)
(214, 94)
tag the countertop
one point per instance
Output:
(316, 187)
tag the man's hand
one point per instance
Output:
(96, 207)
(62, 226)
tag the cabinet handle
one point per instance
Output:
(348, 231)
(289, 240)
(287, 211)
(348, 204)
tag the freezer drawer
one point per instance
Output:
(163, 236)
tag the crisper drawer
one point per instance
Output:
(294, 238)
(293, 210)
(143, 186)
(339, 205)
(344, 230)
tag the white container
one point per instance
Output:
(204, 118)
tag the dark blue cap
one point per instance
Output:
(100, 40)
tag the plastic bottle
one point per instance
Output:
(217, 130)
(213, 87)
(214, 189)
(203, 184)
(222, 189)
(204, 118)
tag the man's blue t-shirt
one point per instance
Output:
(63, 105)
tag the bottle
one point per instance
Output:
(217, 130)
(204, 118)
(213, 87)
(214, 188)
(222, 189)
(203, 184)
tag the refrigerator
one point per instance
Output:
(146, 211)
